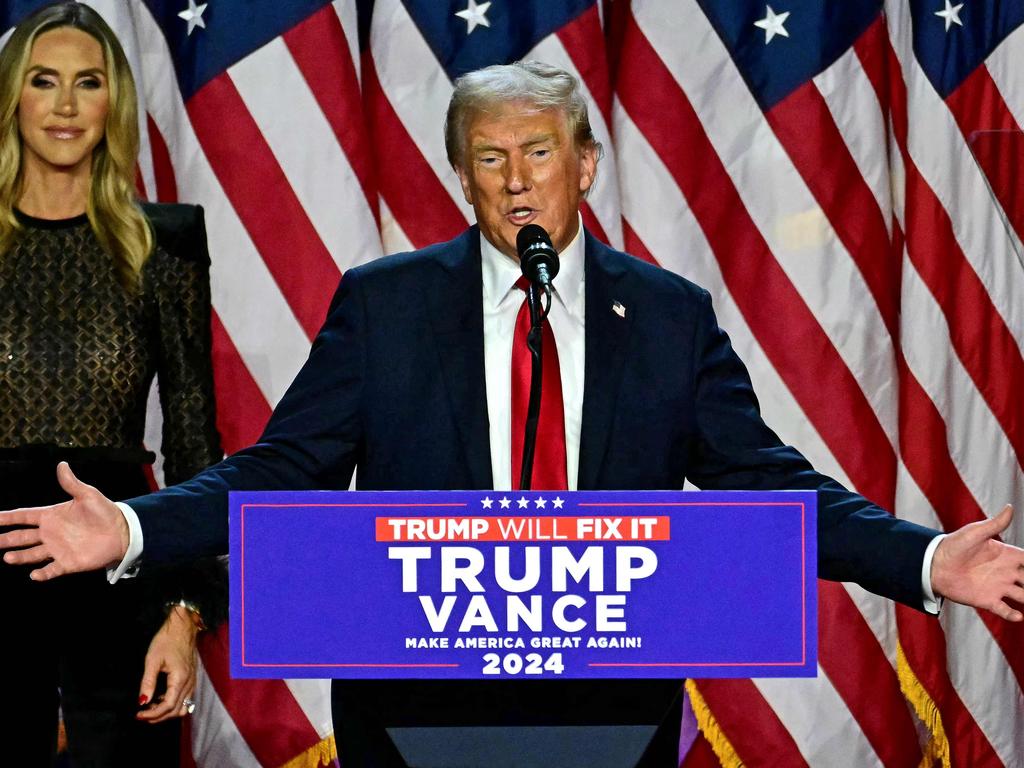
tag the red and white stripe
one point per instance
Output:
(693, 90)
(284, 220)
(834, 134)
(962, 342)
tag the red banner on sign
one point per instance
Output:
(598, 528)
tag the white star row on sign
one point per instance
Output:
(540, 502)
(475, 16)
(951, 13)
(773, 24)
(193, 15)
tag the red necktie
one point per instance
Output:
(549, 473)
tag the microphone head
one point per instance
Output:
(535, 249)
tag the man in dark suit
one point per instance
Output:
(408, 382)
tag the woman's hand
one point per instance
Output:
(172, 651)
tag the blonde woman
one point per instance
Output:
(97, 295)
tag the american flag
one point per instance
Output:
(843, 175)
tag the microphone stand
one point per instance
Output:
(534, 340)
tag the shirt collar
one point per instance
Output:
(500, 272)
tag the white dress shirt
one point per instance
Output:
(501, 306)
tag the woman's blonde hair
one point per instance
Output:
(114, 212)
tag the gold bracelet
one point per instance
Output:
(192, 608)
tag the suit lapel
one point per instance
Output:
(609, 320)
(456, 317)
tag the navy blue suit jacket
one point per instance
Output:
(395, 385)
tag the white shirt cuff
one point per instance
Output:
(128, 567)
(932, 604)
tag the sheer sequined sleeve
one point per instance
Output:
(179, 276)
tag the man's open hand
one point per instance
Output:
(84, 534)
(974, 568)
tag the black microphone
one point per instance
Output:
(537, 257)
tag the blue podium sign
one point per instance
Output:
(533, 585)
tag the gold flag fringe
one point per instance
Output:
(931, 754)
(938, 747)
(723, 749)
(318, 755)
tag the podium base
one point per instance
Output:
(498, 723)
(579, 746)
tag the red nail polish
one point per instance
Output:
(143, 698)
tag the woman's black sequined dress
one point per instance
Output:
(78, 354)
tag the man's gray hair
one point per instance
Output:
(540, 85)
